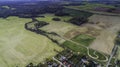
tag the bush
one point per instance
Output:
(56, 19)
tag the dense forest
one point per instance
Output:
(28, 10)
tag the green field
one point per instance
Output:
(90, 6)
(59, 27)
(74, 47)
(49, 17)
(77, 13)
(19, 47)
(85, 40)
(83, 51)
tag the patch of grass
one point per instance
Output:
(100, 56)
(74, 47)
(91, 52)
(83, 39)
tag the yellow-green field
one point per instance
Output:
(49, 17)
(89, 6)
(60, 27)
(19, 47)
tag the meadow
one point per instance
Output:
(18, 47)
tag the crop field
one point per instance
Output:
(77, 13)
(19, 47)
(90, 6)
(83, 39)
(49, 17)
(86, 51)
(59, 27)
(109, 26)
(74, 47)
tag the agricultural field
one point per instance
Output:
(52, 33)
(91, 6)
(63, 27)
(100, 29)
(84, 39)
(48, 17)
(78, 48)
(59, 27)
(19, 47)
(78, 36)
(109, 26)
(77, 13)
(96, 8)
(74, 47)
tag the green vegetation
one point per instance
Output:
(78, 20)
(92, 53)
(49, 17)
(74, 47)
(59, 27)
(100, 56)
(90, 6)
(75, 58)
(19, 47)
(113, 60)
(83, 39)
(97, 54)
(77, 13)
(117, 40)
(83, 50)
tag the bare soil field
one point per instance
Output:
(109, 26)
